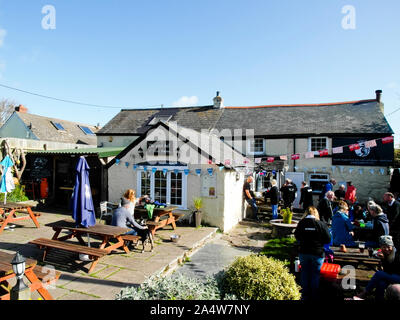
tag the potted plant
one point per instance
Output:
(287, 216)
(198, 204)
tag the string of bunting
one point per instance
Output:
(295, 156)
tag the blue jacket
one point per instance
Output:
(341, 226)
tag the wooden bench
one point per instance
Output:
(93, 253)
(177, 216)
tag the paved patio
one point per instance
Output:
(113, 272)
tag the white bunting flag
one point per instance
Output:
(257, 160)
(351, 170)
(361, 171)
(370, 143)
(283, 157)
(372, 171)
(382, 171)
(337, 150)
(309, 155)
(333, 169)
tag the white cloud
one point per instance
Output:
(3, 34)
(186, 101)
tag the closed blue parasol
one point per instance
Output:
(82, 202)
(7, 182)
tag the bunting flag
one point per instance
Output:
(351, 170)
(354, 146)
(372, 171)
(221, 168)
(210, 171)
(165, 170)
(153, 170)
(323, 153)
(227, 162)
(117, 161)
(283, 157)
(176, 171)
(270, 159)
(134, 166)
(295, 156)
(127, 164)
(387, 140)
(246, 161)
(370, 143)
(341, 169)
(145, 169)
(198, 172)
(309, 155)
(337, 150)
(257, 160)
(333, 169)
(382, 171)
(296, 167)
(209, 161)
(186, 171)
(361, 171)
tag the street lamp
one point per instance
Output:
(20, 291)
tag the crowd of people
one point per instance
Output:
(340, 220)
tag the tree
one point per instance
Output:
(17, 156)
(7, 107)
(396, 158)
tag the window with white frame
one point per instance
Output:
(317, 143)
(165, 188)
(256, 146)
(318, 182)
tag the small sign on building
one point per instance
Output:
(209, 185)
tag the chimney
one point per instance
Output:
(378, 95)
(378, 99)
(218, 102)
(21, 108)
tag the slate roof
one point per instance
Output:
(43, 129)
(355, 117)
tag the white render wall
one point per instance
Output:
(117, 141)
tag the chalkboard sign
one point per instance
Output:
(40, 168)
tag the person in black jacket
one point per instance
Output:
(325, 207)
(393, 214)
(274, 197)
(340, 193)
(380, 224)
(391, 269)
(312, 234)
(306, 198)
(289, 191)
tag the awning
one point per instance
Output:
(101, 152)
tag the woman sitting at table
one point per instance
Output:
(130, 195)
(391, 269)
(342, 228)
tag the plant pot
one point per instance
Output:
(197, 218)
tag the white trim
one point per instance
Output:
(170, 169)
(255, 153)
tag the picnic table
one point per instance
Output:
(104, 232)
(161, 217)
(8, 214)
(354, 256)
(32, 272)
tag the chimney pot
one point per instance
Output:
(378, 95)
(21, 108)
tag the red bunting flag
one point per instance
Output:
(323, 153)
(270, 159)
(246, 161)
(370, 143)
(209, 161)
(387, 140)
(353, 147)
(227, 162)
(296, 156)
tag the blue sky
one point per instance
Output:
(130, 53)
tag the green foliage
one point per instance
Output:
(396, 158)
(257, 277)
(16, 195)
(287, 215)
(176, 287)
(279, 249)
(198, 203)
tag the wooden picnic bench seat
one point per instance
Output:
(93, 253)
(130, 237)
(42, 274)
(177, 216)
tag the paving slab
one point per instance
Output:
(113, 272)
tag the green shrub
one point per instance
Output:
(257, 277)
(16, 195)
(287, 215)
(176, 287)
(280, 249)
